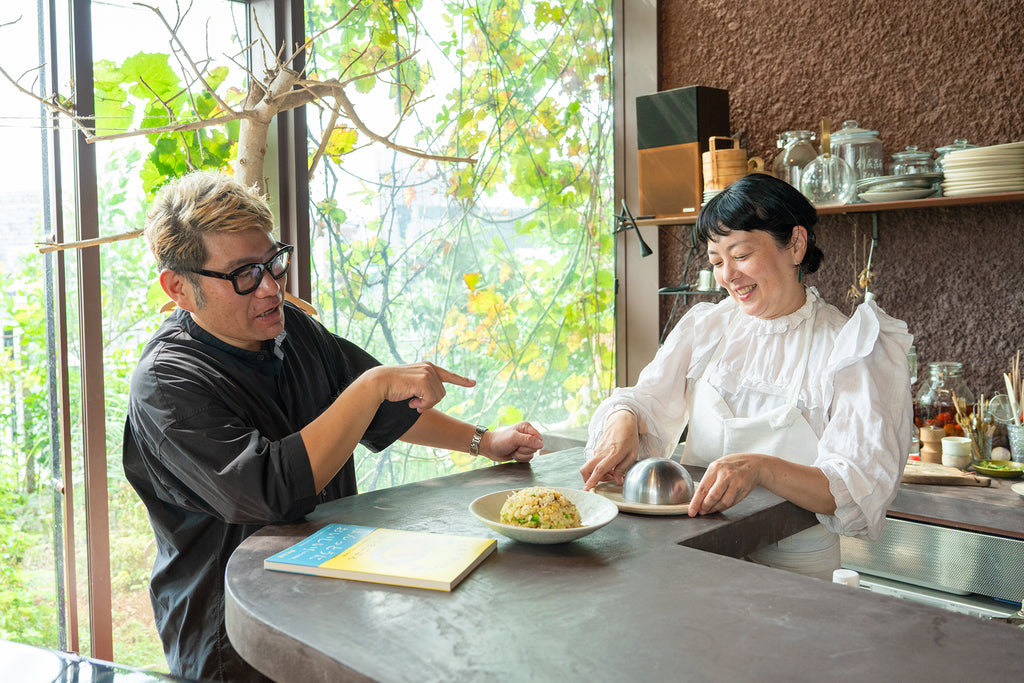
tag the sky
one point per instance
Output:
(19, 114)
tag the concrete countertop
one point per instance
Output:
(989, 509)
(641, 599)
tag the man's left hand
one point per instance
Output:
(519, 442)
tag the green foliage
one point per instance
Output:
(145, 91)
(25, 616)
(513, 282)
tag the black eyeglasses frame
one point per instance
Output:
(264, 268)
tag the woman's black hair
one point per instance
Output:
(761, 202)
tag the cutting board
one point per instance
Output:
(933, 473)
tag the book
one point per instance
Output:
(399, 557)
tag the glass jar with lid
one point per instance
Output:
(912, 160)
(941, 152)
(797, 152)
(860, 148)
(933, 405)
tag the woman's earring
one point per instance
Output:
(799, 274)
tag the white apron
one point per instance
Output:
(781, 432)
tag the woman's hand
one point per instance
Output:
(616, 451)
(727, 481)
(731, 478)
(518, 442)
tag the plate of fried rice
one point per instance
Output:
(544, 514)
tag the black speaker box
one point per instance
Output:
(675, 117)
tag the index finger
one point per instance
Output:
(451, 378)
(600, 471)
(699, 495)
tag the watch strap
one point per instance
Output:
(478, 435)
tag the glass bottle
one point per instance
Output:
(915, 442)
(933, 405)
(797, 152)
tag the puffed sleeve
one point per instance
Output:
(659, 397)
(865, 444)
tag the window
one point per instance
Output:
(98, 305)
(501, 270)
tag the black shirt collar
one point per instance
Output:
(267, 360)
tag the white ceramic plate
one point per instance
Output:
(968, 193)
(1006, 157)
(1001, 167)
(987, 152)
(896, 195)
(613, 492)
(1018, 488)
(953, 176)
(595, 512)
(1007, 185)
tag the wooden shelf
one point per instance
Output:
(870, 207)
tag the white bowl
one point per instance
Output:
(595, 512)
(1018, 488)
(958, 461)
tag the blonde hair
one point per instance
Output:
(197, 204)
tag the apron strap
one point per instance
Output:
(805, 353)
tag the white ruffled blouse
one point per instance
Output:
(855, 394)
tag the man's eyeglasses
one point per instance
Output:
(246, 279)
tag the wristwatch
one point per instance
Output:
(478, 435)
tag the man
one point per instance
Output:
(244, 411)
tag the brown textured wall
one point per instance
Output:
(920, 72)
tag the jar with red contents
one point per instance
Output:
(933, 405)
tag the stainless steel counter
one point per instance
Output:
(953, 541)
(644, 599)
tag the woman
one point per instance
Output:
(779, 388)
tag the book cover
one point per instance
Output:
(393, 556)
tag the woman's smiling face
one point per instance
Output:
(760, 275)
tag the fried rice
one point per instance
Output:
(538, 507)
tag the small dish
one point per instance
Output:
(613, 492)
(1006, 469)
(1018, 488)
(899, 182)
(896, 195)
(595, 512)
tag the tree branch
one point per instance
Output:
(46, 247)
(184, 52)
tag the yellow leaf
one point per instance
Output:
(471, 280)
(341, 141)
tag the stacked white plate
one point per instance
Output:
(984, 170)
(708, 194)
